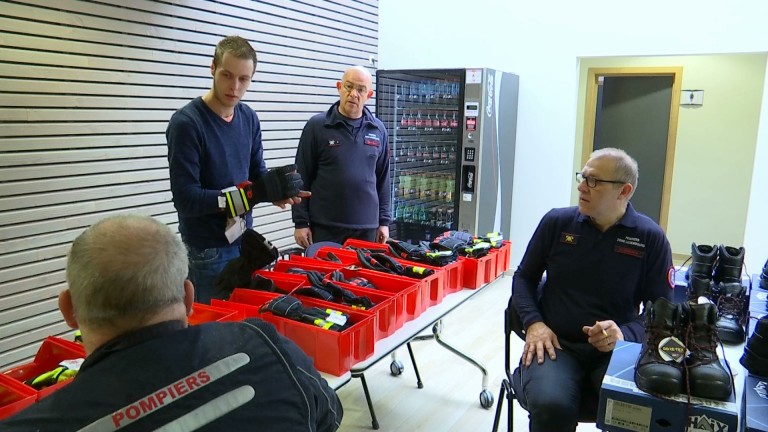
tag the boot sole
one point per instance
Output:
(733, 337)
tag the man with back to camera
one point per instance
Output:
(602, 260)
(343, 159)
(214, 143)
(146, 369)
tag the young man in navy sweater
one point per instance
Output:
(343, 159)
(214, 143)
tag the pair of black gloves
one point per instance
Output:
(276, 185)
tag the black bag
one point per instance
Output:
(256, 253)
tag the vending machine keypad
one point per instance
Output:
(469, 154)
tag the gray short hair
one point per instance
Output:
(124, 270)
(626, 167)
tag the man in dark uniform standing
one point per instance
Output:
(602, 260)
(147, 370)
(343, 159)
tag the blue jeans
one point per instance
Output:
(205, 266)
(552, 391)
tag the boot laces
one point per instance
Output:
(731, 307)
(696, 350)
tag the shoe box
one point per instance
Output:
(624, 407)
(754, 415)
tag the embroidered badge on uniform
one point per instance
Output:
(333, 143)
(371, 140)
(671, 277)
(569, 238)
(628, 250)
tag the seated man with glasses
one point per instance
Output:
(343, 158)
(602, 259)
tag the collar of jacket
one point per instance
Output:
(333, 117)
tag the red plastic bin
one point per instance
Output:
(453, 280)
(305, 263)
(332, 352)
(478, 271)
(285, 282)
(385, 309)
(505, 253)
(501, 259)
(53, 351)
(433, 287)
(408, 292)
(202, 313)
(14, 396)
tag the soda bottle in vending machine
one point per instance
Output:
(454, 121)
(411, 153)
(436, 121)
(445, 123)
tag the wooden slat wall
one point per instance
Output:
(86, 90)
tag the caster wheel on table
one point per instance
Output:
(396, 368)
(486, 399)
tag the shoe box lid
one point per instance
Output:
(624, 407)
(754, 416)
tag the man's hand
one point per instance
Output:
(303, 237)
(603, 335)
(293, 200)
(538, 338)
(382, 234)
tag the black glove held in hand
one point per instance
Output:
(279, 183)
(276, 185)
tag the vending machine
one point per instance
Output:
(452, 142)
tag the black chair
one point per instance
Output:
(513, 324)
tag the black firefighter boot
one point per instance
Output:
(729, 264)
(703, 259)
(699, 286)
(730, 298)
(659, 366)
(707, 378)
(755, 357)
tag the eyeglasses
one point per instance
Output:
(592, 181)
(361, 89)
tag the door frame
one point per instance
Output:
(676, 72)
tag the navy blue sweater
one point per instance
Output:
(347, 172)
(205, 155)
(592, 276)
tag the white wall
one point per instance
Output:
(541, 42)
